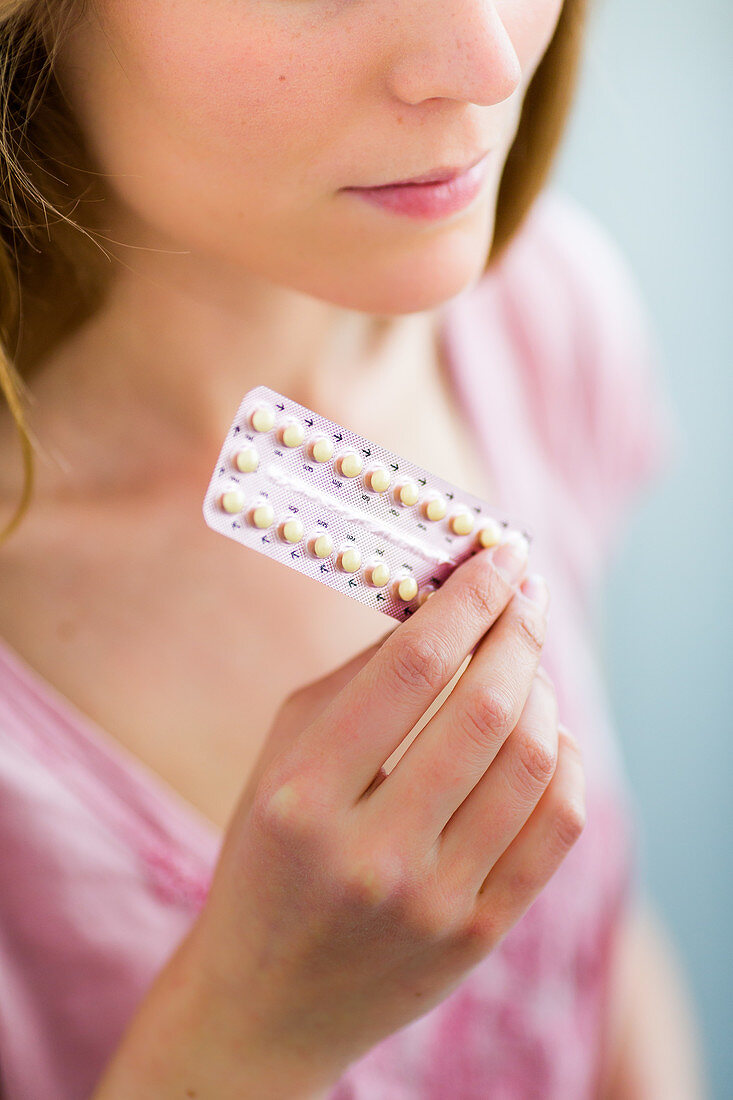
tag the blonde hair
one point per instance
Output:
(53, 271)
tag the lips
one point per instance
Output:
(428, 201)
(437, 175)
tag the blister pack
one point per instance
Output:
(319, 498)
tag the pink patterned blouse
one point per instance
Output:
(104, 866)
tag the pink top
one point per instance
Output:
(104, 866)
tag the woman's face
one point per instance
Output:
(231, 127)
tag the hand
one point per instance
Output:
(342, 906)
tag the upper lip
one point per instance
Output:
(437, 175)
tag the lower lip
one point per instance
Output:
(428, 201)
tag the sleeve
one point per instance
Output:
(616, 430)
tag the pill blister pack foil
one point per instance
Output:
(319, 498)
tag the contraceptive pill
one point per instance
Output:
(342, 509)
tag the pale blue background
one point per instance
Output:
(648, 150)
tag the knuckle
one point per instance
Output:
(481, 932)
(284, 810)
(419, 663)
(489, 710)
(384, 880)
(531, 624)
(524, 883)
(485, 594)
(368, 883)
(569, 820)
(536, 761)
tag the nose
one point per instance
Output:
(453, 49)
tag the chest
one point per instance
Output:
(181, 645)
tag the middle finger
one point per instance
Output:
(448, 758)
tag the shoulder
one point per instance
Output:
(588, 354)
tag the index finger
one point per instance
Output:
(369, 718)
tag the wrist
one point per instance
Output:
(185, 1041)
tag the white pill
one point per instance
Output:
(293, 434)
(379, 574)
(262, 418)
(425, 594)
(461, 523)
(247, 460)
(263, 515)
(379, 479)
(351, 464)
(322, 449)
(350, 560)
(407, 588)
(292, 530)
(489, 533)
(232, 501)
(408, 492)
(323, 546)
(436, 507)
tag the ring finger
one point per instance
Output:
(499, 806)
(452, 753)
(535, 854)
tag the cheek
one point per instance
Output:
(192, 95)
(230, 82)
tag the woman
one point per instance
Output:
(217, 881)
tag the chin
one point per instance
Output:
(407, 277)
(402, 293)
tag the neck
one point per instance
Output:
(142, 394)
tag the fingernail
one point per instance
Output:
(534, 587)
(510, 557)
